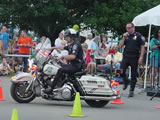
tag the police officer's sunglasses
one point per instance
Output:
(129, 27)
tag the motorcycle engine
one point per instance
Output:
(66, 92)
(63, 93)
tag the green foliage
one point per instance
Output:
(114, 14)
(49, 17)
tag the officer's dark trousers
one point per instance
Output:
(66, 68)
(133, 62)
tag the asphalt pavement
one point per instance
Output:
(137, 108)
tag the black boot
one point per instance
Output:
(50, 88)
(125, 83)
(131, 94)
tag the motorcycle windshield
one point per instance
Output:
(44, 52)
(46, 45)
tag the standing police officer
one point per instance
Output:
(75, 58)
(132, 55)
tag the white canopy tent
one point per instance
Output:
(149, 17)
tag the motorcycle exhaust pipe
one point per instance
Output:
(100, 98)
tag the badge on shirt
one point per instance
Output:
(135, 37)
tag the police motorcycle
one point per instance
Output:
(97, 91)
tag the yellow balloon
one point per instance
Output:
(76, 27)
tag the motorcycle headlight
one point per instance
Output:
(34, 67)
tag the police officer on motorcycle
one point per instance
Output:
(75, 58)
(132, 55)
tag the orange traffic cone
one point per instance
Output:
(158, 107)
(118, 101)
(1, 94)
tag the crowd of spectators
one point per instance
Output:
(99, 48)
(22, 44)
(19, 45)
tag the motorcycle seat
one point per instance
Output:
(80, 73)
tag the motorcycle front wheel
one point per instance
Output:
(96, 103)
(19, 94)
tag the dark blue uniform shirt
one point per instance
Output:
(133, 45)
(75, 49)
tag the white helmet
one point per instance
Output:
(70, 32)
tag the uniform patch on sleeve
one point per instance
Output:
(74, 47)
(143, 38)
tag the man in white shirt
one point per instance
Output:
(115, 58)
(89, 40)
(59, 40)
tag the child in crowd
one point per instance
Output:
(10, 47)
(58, 52)
(5, 68)
(11, 62)
(85, 48)
(15, 47)
(18, 65)
(18, 68)
(94, 53)
(1, 49)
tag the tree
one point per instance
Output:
(114, 14)
(49, 17)
(46, 17)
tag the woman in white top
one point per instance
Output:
(103, 47)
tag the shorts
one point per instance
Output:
(154, 62)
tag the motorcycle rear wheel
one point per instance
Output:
(19, 95)
(96, 103)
